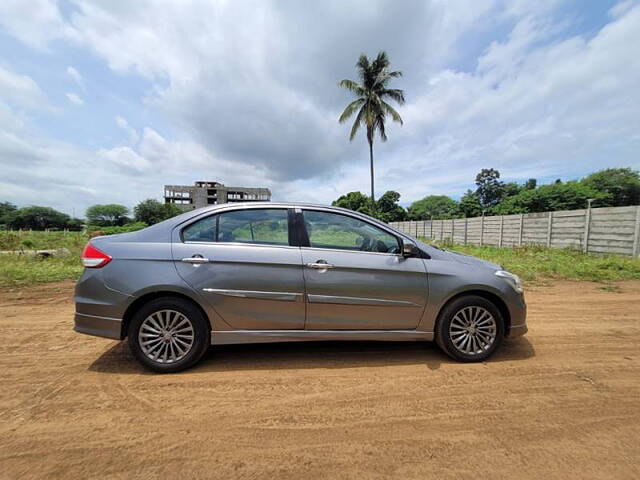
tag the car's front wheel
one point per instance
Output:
(168, 334)
(470, 329)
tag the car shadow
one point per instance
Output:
(308, 355)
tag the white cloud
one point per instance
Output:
(132, 135)
(125, 157)
(35, 22)
(20, 90)
(76, 77)
(74, 98)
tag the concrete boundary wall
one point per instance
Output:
(599, 230)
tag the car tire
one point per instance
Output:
(470, 329)
(169, 334)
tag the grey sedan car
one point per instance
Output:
(275, 272)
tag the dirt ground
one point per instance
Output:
(562, 402)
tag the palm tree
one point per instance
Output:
(370, 104)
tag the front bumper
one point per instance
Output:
(518, 330)
(98, 326)
(518, 312)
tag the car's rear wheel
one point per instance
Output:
(470, 329)
(168, 334)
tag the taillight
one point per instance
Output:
(94, 258)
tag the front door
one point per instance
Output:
(356, 278)
(242, 263)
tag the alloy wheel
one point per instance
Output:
(473, 330)
(166, 336)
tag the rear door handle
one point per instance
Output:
(196, 260)
(320, 265)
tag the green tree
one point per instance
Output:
(107, 215)
(436, 206)
(388, 209)
(37, 218)
(5, 209)
(622, 184)
(370, 107)
(470, 205)
(510, 189)
(356, 201)
(530, 184)
(556, 196)
(151, 211)
(490, 189)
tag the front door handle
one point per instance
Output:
(196, 260)
(320, 265)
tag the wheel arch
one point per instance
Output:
(139, 302)
(490, 296)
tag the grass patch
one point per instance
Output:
(16, 270)
(537, 263)
(27, 270)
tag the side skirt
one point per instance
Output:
(228, 337)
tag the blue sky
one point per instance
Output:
(107, 101)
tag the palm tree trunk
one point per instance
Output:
(373, 198)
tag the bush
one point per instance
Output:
(130, 227)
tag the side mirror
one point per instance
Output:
(410, 250)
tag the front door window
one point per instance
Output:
(335, 231)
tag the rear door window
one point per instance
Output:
(252, 226)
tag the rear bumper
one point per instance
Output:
(98, 326)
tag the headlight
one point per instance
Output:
(511, 278)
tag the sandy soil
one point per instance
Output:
(563, 402)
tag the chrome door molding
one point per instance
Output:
(359, 301)
(282, 296)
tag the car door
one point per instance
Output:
(242, 262)
(356, 277)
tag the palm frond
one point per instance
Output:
(381, 129)
(380, 63)
(364, 67)
(392, 112)
(352, 86)
(356, 124)
(394, 93)
(351, 109)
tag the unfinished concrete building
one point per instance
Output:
(202, 194)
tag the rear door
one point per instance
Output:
(356, 278)
(243, 263)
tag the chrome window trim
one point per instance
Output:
(239, 244)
